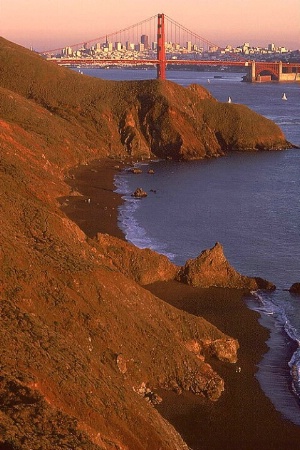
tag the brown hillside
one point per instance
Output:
(81, 343)
(84, 346)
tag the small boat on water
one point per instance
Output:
(229, 100)
(283, 96)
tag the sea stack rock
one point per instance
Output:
(139, 193)
(211, 268)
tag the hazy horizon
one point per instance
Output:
(48, 24)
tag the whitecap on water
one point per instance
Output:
(280, 366)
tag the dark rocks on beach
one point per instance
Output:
(135, 170)
(295, 288)
(139, 193)
(264, 284)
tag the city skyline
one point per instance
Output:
(46, 24)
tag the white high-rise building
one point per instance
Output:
(67, 51)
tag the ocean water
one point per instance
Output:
(250, 203)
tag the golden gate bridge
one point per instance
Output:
(161, 42)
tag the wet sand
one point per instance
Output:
(243, 418)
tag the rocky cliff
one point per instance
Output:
(82, 342)
(88, 116)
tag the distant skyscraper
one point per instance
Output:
(145, 41)
(67, 51)
(140, 47)
(271, 47)
(129, 45)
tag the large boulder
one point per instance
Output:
(295, 288)
(211, 268)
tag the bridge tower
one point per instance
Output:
(161, 50)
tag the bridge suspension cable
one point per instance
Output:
(161, 41)
(132, 32)
(182, 35)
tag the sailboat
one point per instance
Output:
(283, 96)
(229, 100)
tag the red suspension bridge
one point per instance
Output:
(161, 41)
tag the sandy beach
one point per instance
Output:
(93, 204)
(243, 418)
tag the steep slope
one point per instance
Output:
(83, 348)
(140, 118)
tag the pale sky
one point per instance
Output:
(49, 24)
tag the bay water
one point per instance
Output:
(248, 202)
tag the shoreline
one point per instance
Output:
(93, 204)
(243, 418)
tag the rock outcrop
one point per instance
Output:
(145, 266)
(141, 265)
(211, 268)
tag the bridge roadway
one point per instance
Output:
(256, 71)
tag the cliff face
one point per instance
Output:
(81, 339)
(141, 119)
